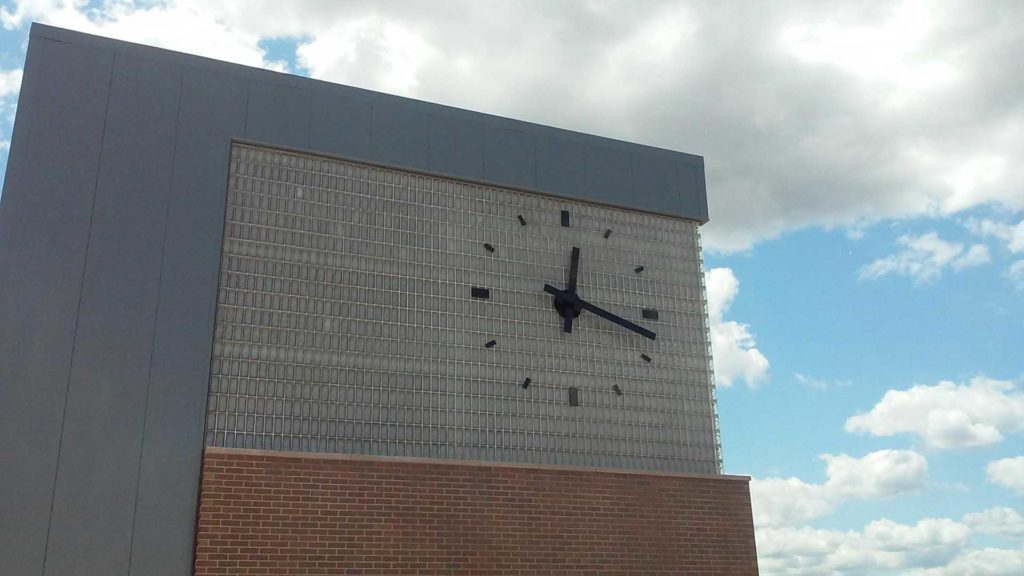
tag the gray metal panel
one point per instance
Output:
(97, 472)
(654, 180)
(692, 190)
(48, 206)
(456, 147)
(509, 157)
(15, 165)
(278, 113)
(400, 129)
(560, 167)
(401, 133)
(212, 109)
(340, 124)
(609, 177)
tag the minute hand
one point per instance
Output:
(599, 311)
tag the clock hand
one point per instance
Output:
(570, 287)
(582, 304)
(574, 268)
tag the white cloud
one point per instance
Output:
(1015, 273)
(1008, 473)
(10, 82)
(976, 255)
(832, 116)
(924, 257)
(1002, 521)
(947, 415)
(882, 547)
(928, 547)
(819, 384)
(369, 52)
(882, 474)
(186, 25)
(788, 501)
(985, 562)
(1011, 234)
(733, 345)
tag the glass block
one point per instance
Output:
(346, 322)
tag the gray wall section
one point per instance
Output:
(98, 466)
(110, 226)
(165, 511)
(47, 207)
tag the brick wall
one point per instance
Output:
(287, 513)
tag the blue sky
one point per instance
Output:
(865, 254)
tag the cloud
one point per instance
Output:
(947, 415)
(882, 547)
(928, 547)
(10, 82)
(985, 562)
(1011, 234)
(924, 257)
(187, 26)
(878, 475)
(1003, 521)
(1008, 473)
(1015, 274)
(830, 116)
(733, 345)
(819, 384)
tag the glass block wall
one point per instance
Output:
(368, 310)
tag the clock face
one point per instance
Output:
(370, 310)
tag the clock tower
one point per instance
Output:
(260, 324)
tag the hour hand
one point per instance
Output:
(584, 305)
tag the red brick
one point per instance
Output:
(265, 513)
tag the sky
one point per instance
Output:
(865, 255)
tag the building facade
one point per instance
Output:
(256, 323)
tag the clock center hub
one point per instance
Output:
(566, 308)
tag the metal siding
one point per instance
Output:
(278, 113)
(456, 147)
(97, 475)
(15, 165)
(55, 156)
(401, 133)
(655, 183)
(560, 168)
(340, 124)
(212, 110)
(692, 191)
(609, 176)
(509, 157)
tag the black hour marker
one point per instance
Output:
(650, 314)
(491, 344)
(638, 269)
(526, 384)
(565, 218)
(618, 391)
(488, 247)
(521, 220)
(645, 357)
(607, 233)
(483, 293)
(574, 396)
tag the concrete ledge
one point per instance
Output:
(276, 454)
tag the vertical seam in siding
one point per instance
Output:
(78, 307)
(156, 316)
